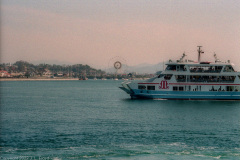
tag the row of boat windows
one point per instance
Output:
(199, 78)
(205, 69)
(194, 88)
(228, 88)
(208, 69)
(142, 87)
(199, 88)
(176, 68)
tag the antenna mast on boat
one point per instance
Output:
(199, 53)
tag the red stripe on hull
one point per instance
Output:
(202, 84)
(148, 83)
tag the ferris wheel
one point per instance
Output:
(117, 65)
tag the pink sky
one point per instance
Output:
(92, 32)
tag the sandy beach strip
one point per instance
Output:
(38, 79)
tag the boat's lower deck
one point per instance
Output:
(188, 95)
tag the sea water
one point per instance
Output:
(96, 120)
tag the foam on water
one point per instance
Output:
(126, 151)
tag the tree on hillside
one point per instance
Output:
(23, 65)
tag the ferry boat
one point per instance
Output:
(188, 80)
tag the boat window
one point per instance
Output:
(212, 79)
(212, 89)
(228, 68)
(199, 78)
(171, 68)
(150, 87)
(181, 68)
(189, 88)
(180, 78)
(227, 79)
(239, 76)
(230, 88)
(176, 68)
(141, 87)
(218, 68)
(175, 88)
(161, 75)
(219, 89)
(181, 89)
(168, 76)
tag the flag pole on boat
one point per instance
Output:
(199, 53)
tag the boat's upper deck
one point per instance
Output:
(192, 67)
(200, 67)
(206, 72)
(184, 70)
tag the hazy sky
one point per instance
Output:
(140, 31)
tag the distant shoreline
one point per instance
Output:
(38, 79)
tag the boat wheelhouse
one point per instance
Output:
(186, 79)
